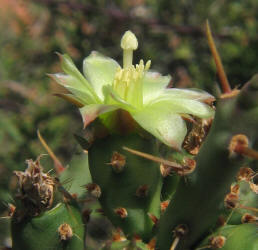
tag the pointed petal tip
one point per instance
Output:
(59, 55)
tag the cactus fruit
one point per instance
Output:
(158, 179)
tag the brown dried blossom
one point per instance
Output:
(36, 188)
(196, 136)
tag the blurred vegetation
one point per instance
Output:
(170, 33)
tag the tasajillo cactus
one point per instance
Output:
(143, 139)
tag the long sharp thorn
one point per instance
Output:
(153, 158)
(220, 69)
(58, 165)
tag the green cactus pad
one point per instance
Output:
(41, 232)
(240, 237)
(119, 189)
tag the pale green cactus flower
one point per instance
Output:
(106, 86)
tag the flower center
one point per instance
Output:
(128, 80)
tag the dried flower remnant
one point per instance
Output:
(36, 188)
(196, 136)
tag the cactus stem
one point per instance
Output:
(239, 145)
(57, 163)
(179, 232)
(65, 232)
(121, 212)
(220, 69)
(154, 158)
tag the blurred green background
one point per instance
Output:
(170, 33)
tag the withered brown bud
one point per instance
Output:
(118, 162)
(121, 212)
(142, 191)
(217, 241)
(65, 232)
(245, 174)
(94, 189)
(249, 218)
(36, 188)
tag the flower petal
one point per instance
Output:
(76, 87)
(91, 112)
(153, 84)
(99, 70)
(163, 123)
(185, 106)
(70, 69)
(193, 94)
(71, 98)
